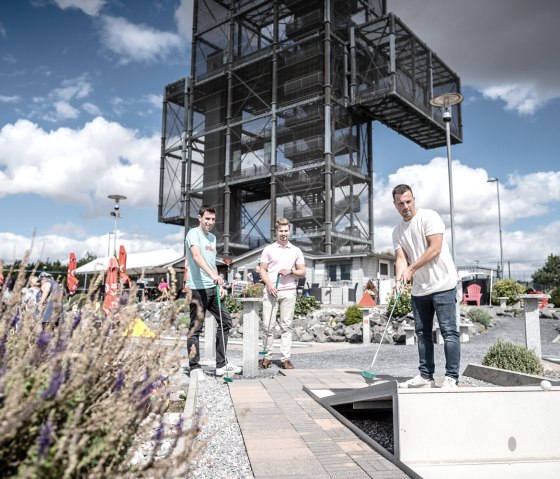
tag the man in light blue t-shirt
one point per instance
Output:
(202, 278)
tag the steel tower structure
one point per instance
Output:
(276, 118)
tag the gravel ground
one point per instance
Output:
(224, 456)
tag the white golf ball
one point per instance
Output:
(545, 385)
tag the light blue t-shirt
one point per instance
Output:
(197, 278)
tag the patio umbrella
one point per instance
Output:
(71, 280)
(122, 266)
(111, 286)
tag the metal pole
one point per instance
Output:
(500, 225)
(450, 174)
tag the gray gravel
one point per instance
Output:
(224, 455)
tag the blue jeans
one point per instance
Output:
(443, 305)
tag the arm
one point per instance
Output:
(45, 290)
(201, 262)
(266, 279)
(299, 271)
(433, 250)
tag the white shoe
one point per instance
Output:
(449, 383)
(198, 374)
(228, 369)
(418, 382)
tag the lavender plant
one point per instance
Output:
(82, 398)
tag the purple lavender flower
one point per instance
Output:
(123, 300)
(180, 423)
(60, 346)
(159, 433)
(15, 320)
(44, 439)
(56, 380)
(119, 381)
(77, 319)
(43, 340)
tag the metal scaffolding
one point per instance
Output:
(276, 118)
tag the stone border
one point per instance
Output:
(502, 377)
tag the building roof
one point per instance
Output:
(148, 262)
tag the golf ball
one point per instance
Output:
(545, 385)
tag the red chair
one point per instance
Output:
(473, 294)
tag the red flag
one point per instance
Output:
(71, 280)
(111, 301)
(122, 265)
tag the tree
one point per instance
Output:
(86, 259)
(549, 275)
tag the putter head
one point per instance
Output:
(368, 375)
(262, 353)
(227, 379)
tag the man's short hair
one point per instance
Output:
(282, 222)
(206, 208)
(400, 189)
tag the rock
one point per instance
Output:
(337, 338)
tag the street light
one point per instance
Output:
(497, 181)
(116, 214)
(445, 102)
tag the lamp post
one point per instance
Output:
(445, 102)
(496, 180)
(116, 214)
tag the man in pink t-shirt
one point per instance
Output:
(281, 265)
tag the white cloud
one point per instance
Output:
(3, 32)
(184, 18)
(57, 104)
(91, 108)
(524, 99)
(481, 41)
(10, 99)
(137, 43)
(89, 7)
(79, 166)
(476, 210)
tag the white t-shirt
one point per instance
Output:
(440, 273)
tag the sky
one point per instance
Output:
(81, 86)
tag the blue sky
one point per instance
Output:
(81, 85)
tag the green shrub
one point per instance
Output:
(305, 305)
(84, 398)
(353, 315)
(233, 304)
(404, 304)
(504, 354)
(479, 315)
(253, 291)
(555, 297)
(506, 288)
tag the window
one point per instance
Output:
(384, 269)
(341, 271)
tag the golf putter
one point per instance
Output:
(227, 379)
(368, 374)
(262, 353)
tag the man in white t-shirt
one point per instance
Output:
(423, 257)
(281, 264)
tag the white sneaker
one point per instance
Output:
(418, 382)
(229, 369)
(198, 374)
(449, 383)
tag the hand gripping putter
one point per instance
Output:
(367, 373)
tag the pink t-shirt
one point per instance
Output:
(280, 257)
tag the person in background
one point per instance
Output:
(163, 288)
(30, 300)
(423, 257)
(202, 280)
(50, 302)
(371, 289)
(285, 261)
